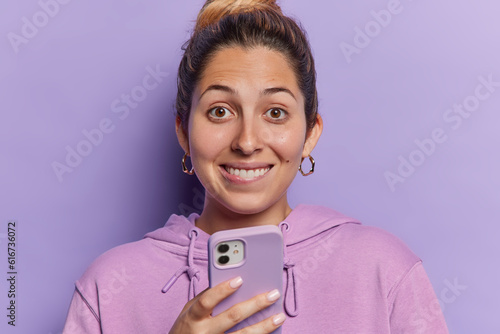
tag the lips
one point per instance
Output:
(247, 173)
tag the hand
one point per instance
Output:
(196, 316)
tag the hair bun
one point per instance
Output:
(214, 10)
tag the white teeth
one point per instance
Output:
(247, 174)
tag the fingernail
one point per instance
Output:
(279, 319)
(236, 282)
(273, 296)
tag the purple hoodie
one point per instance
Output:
(339, 277)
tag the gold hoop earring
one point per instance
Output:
(184, 168)
(312, 166)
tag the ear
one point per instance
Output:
(312, 136)
(182, 136)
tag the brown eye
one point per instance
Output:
(276, 113)
(219, 112)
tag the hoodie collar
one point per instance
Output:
(177, 231)
(305, 221)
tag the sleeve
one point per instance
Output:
(81, 318)
(415, 307)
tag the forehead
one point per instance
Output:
(257, 67)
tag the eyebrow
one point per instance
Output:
(267, 91)
(274, 90)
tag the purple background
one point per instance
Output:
(396, 89)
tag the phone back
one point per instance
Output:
(260, 266)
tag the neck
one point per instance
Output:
(216, 217)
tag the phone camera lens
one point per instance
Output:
(222, 248)
(223, 259)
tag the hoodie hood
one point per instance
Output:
(303, 223)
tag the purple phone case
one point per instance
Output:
(261, 269)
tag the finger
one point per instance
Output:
(192, 301)
(243, 310)
(204, 305)
(265, 326)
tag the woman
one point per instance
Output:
(247, 118)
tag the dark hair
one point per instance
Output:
(247, 23)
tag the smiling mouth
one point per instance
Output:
(247, 174)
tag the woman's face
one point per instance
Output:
(247, 129)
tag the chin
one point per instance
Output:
(248, 206)
(244, 208)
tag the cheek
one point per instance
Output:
(205, 143)
(288, 144)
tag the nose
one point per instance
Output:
(248, 137)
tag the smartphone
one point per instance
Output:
(255, 254)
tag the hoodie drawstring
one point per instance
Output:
(191, 271)
(293, 309)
